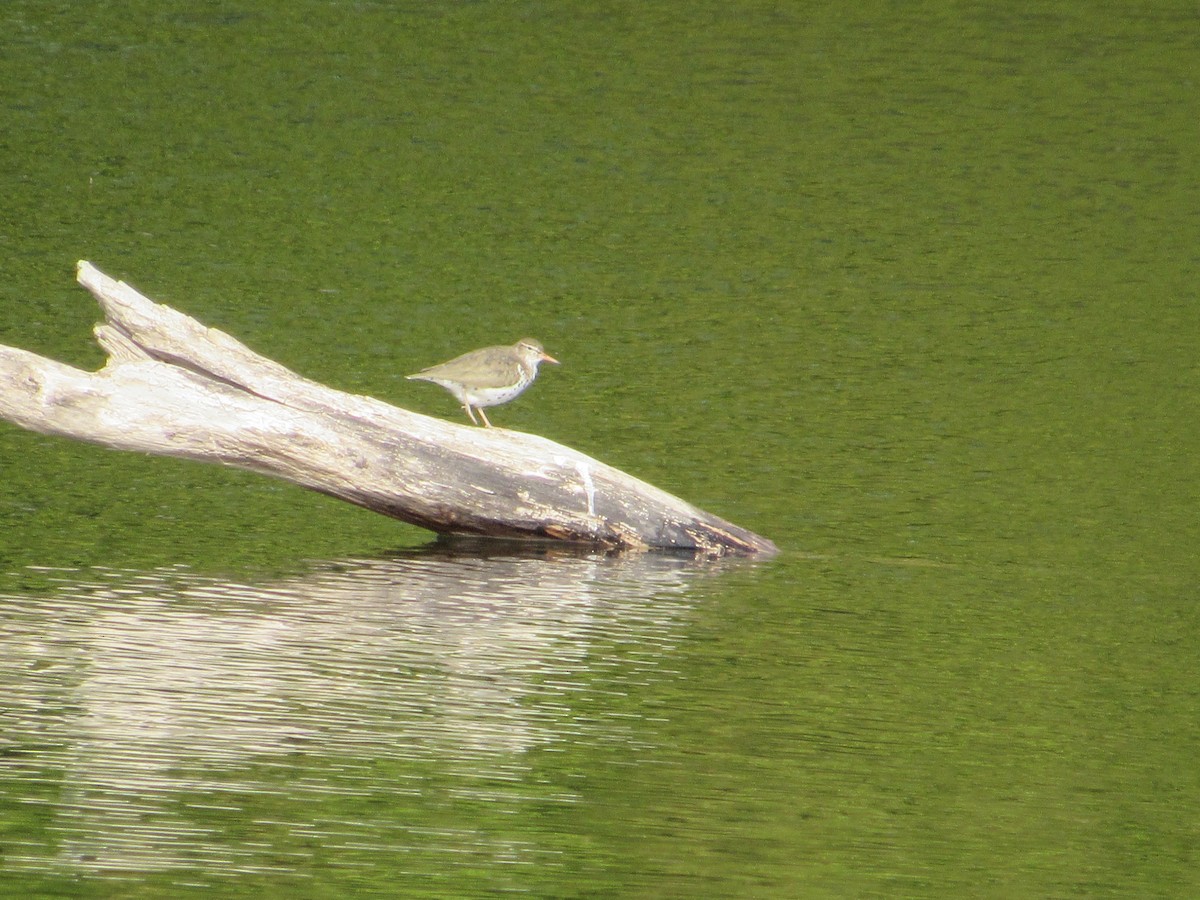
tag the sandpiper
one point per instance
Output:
(489, 376)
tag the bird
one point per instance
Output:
(489, 376)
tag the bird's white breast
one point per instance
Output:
(493, 396)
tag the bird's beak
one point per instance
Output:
(546, 357)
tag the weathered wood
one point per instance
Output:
(171, 386)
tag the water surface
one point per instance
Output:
(910, 291)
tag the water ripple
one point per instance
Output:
(148, 709)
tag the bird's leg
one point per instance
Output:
(467, 407)
(485, 418)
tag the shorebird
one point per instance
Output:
(489, 376)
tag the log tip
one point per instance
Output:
(89, 276)
(712, 536)
(747, 543)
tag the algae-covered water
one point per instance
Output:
(910, 290)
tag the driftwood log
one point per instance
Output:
(174, 387)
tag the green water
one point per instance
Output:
(909, 289)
